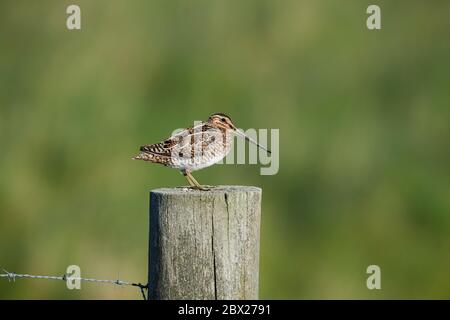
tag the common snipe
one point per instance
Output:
(196, 147)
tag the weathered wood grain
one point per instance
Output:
(204, 244)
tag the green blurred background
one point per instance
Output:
(364, 137)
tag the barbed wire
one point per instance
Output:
(12, 276)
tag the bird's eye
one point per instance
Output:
(223, 119)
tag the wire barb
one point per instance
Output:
(11, 276)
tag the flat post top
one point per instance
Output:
(214, 190)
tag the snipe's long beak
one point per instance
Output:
(239, 133)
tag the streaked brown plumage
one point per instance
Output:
(194, 148)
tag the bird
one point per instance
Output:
(195, 147)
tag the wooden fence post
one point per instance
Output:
(204, 244)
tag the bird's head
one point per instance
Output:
(222, 121)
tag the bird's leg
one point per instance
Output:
(188, 179)
(194, 183)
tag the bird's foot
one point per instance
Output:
(202, 188)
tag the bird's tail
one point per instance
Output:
(144, 156)
(139, 157)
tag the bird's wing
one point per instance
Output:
(160, 148)
(190, 142)
(197, 144)
(199, 127)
